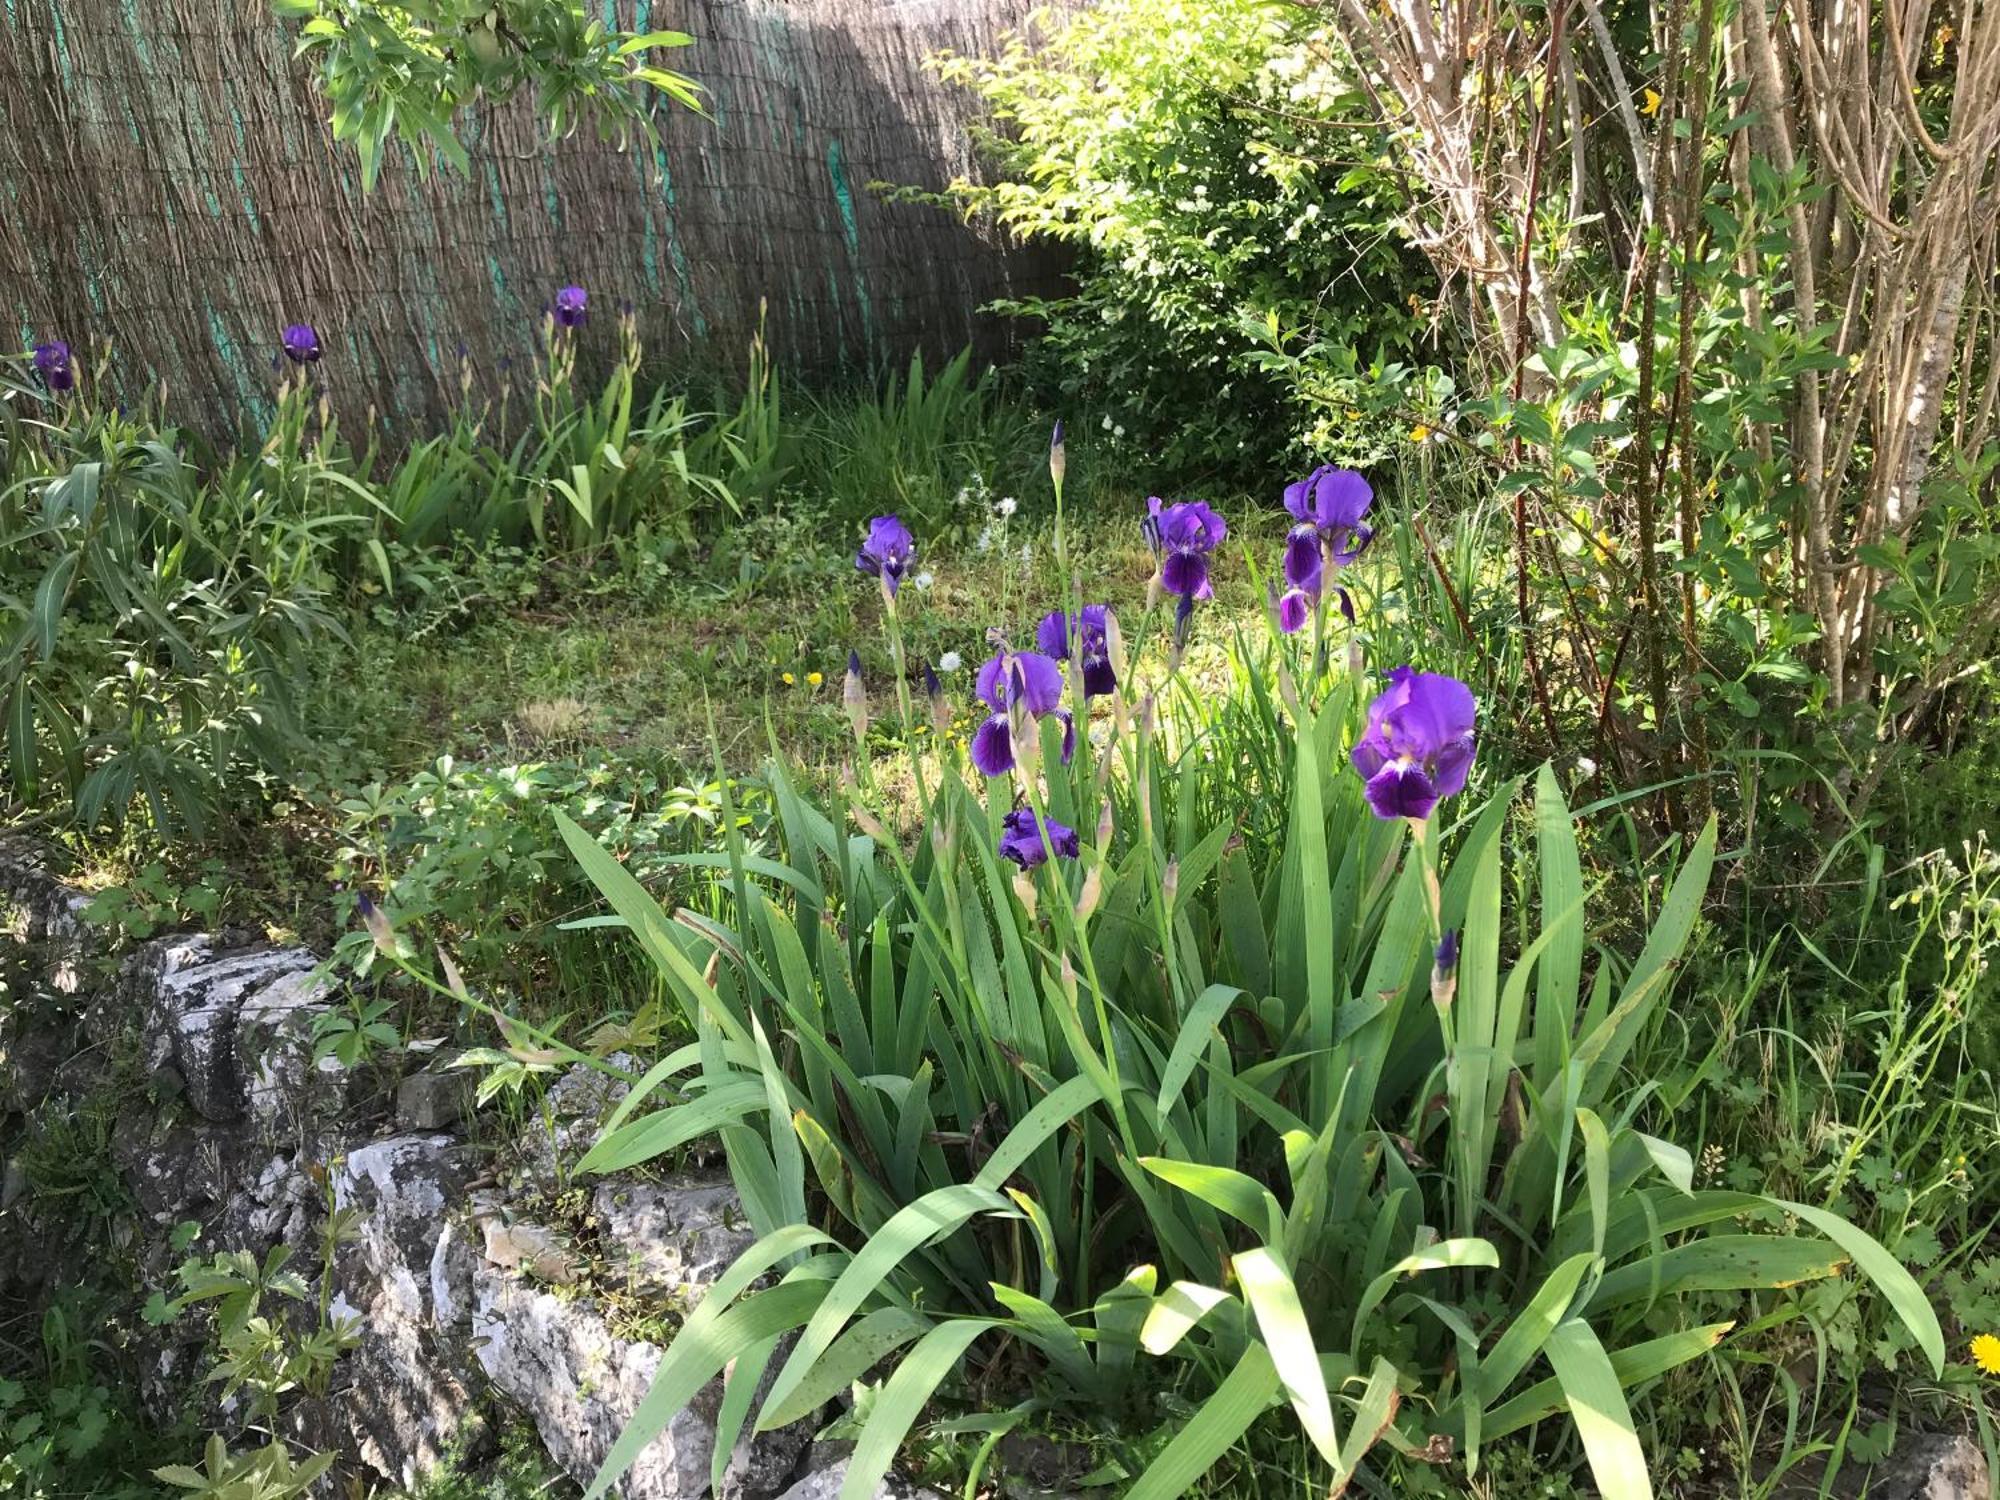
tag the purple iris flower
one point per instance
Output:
(1026, 680)
(1305, 563)
(1447, 951)
(1332, 502)
(1418, 745)
(1022, 842)
(1093, 648)
(301, 343)
(887, 552)
(570, 305)
(52, 365)
(1187, 533)
(1294, 609)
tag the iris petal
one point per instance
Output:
(1304, 567)
(1400, 791)
(1186, 574)
(992, 748)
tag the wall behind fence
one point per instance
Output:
(172, 194)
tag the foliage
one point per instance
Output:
(1105, 1110)
(470, 855)
(65, 1428)
(403, 71)
(926, 447)
(155, 624)
(1213, 168)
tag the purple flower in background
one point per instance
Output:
(301, 343)
(1188, 532)
(1332, 502)
(1093, 647)
(1346, 603)
(1418, 745)
(887, 552)
(1022, 842)
(52, 366)
(1150, 526)
(1021, 681)
(1447, 951)
(570, 305)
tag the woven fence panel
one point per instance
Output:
(173, 197)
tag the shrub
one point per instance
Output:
(1210, 168)
(156, 624)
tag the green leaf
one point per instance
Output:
(1720, 1263)
(864, 1345)
(1882, 1268)
(1596, 1400)
(1198, 1028)
(1274, 1300)
(664, 1130)
(1179, 1308)
(1634, 1366)
(654, 39)
(1048, 1116)
(1241, 1398)
(935, 1214)
(697, 1357)
(898, 1403)
(1241, 1197)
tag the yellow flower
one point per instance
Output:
(1986, 1353)
(1651, 106)
(1419, 433)
(1353, 415)
(788, 679)
(813, 679)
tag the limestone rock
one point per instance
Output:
(826, 1471)
(195, 998)
(559, 1360)
(521, 1245)
(1932, 1466)
(673, 1235)
(407, 1397)
(432, 1101)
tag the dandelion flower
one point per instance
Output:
(1986, 1353)
(1419, 433)
(788, 679)
(813, 679)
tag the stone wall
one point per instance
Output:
(486, 1283)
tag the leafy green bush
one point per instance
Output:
(155, 624)
(1210, 167)
(1322, 1121)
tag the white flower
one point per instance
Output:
(985, 542)
(1005, 506)
(1585, 766)
(951, 661)
(924, 580)
(1118, 431)
(1107, 421)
